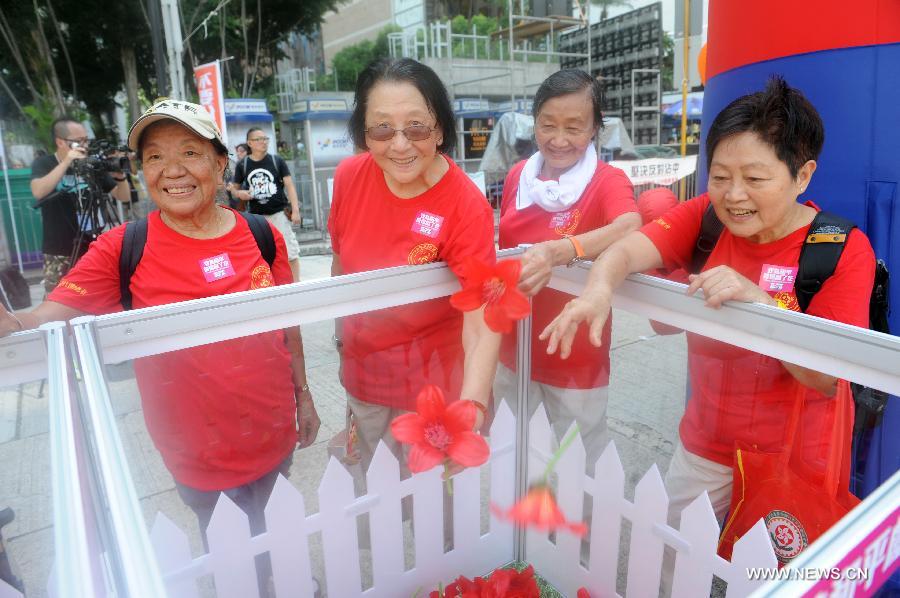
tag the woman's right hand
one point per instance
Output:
(591, 309)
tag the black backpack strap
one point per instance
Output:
(820, 254)
(263, 235)
(710, 231)
(132, 252)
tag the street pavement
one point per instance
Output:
(646, 402)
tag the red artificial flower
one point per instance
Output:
(583, 593)
(495, 287)
(538, 509)
(509, 583)
(438, 432)
(462, 587)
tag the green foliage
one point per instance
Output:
(350, 61)
(42, 116)
(667, 69)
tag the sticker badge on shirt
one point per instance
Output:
(427, 224)
(216, 267)
(778, 278)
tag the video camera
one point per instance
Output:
(102, 156)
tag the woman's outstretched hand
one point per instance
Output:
(593, 310)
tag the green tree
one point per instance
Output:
(350, 61)
(58, 56)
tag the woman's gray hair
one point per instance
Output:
(568, 81)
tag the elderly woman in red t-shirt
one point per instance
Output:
(570, 206)
(761, 156)
(402, 201)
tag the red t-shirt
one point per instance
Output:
(607, 196)
(220, 414)
(390, 354)
(742, 396)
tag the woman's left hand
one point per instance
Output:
(295, 216)
(307, 420)
(721, 284)
(537, 268)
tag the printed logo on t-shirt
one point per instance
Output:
(663, 223)
(565, 223)
(787, 535)
(777, 278)
(216, 267)
(423, 253)
(262, 185)
(71, 286)
(788, 300)
(261, 277)
(427, 224)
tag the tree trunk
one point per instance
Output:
(47, 62)
(258, 40)
(16, 53)
(129, 66)
(65, 49)
(13, 98)
(245, 62)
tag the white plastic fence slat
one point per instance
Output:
(385, 521)
(173, 553)
(538, 548)
(7, 591)
(231, 556)
(570, 498)
(694, 569)
(287, 539)
(428, 523)
(466, 519)
(606, 522)
(503, 483)
(646, 552)
(340, 546)
(754, 549)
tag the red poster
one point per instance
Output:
(208, 78)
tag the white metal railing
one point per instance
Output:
(138, 575)
(860, 355)
(77, 574)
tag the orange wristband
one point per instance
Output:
(579, 251)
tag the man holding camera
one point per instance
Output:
(68, 230)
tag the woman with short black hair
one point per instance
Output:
(568, 205)
(403, 201)
(761, 153)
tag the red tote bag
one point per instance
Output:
(795, 509)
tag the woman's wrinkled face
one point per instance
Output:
(752, 190)
(563, 130)
(405, 163)
(182, 169)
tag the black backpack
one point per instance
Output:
(136, 237)
(818, 259)
(14, 291)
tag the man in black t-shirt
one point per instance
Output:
(60, 214)
(264, 180)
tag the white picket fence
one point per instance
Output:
(230, 560)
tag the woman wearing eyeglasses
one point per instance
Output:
(571, 206)
(402, 201)
(264, 180)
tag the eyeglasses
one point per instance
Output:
(412, 132)
(566, 132)
(260, 139)
(81, 141)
